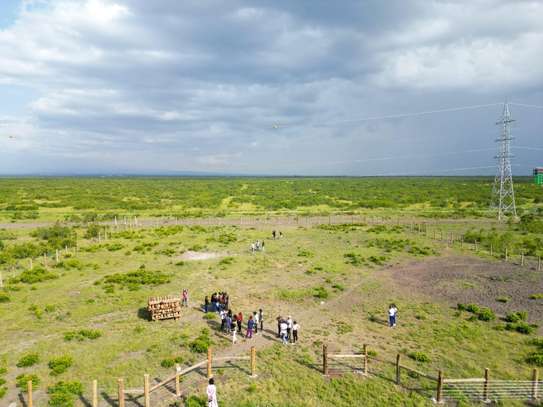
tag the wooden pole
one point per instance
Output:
(539, 263)
(491, 250)
(29, 391)
(506, 254)
(486, 386)
(398, 372)
(439, 391)
(365, 359)
(535, 384)
(146, 398)
(324, 360)
(120, 391)
(522, 259)
(177, 381)
(95, 393)
(253, 361)
(209, 356)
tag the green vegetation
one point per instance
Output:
(37, 275)
(135, 279)
(201, 343)
(82, 334)
(60, 364)
(28, 360)
(419, 357)
(64, 394)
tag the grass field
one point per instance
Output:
(84, 318)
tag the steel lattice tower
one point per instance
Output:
(503, 194)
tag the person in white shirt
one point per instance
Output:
(392, 311)
(256, 318)
(283, 332)
(289, 328)
(295, 328)
(212, 394)
(234, 338)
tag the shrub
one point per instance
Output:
(135, 279)
(486, 314)
(320, 292)
(354, 259)
(22, 380)
(60, 365)
(4, 298)
(538, 296)
(535, 358)
(503, 299)
(36, 275)
(521, 327)
(63, 394)
(516, 316)
(82, 334)
(167, 363)
(70, 264)
(201, 343)
(28, 360)
(419, 357)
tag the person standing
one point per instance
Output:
(295, 328)
(274, 233)
(250, 327)
(206, 304)
(185, 296)
(261, 319)
(222, 313)
(255, 318)
(283, 331)
(289, 328)
(279, 320)
(212, 394)
(392, 312)
(239, 321)
(234, 337)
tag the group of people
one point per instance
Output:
(232, 323)
(257, 246)
(219, 301)
(287, 330)
(277, 234)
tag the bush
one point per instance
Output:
(201, 343)
(536, 296)
(521, 327)
(135, 279)
(60, 365)
(320, 292)
(82, 334)
(503, 299)
(36, 275)
(535, 358)
(4, 298)
(486, 314)
(419, 357)
(516, 316)
(63, 394)
(22, 380)
(28, 360)
(167, 363)
(354, 259)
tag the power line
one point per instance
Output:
(527, 105)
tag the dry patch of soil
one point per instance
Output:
(192, 256)
(469, 279)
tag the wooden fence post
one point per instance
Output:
(146, 398)
(120, 391)
(535, 384)
(177, 381)
(365, 359)
(439, 391)
(522, 259)
(539, 263)
(486, 385)
(95, 393)
(491, 250)
(324, 360)
(398, 372)
(462, 241)
(29, 391)
(253, 361)
(209, 356)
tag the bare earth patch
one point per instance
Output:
(469, 279)
(190, 255)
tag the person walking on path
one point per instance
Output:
(283, 331)
(212, 394)
(295, 328)
(222, 313)
(234, 337)
(279, 320)
(206, 304)
(255, 317)
(392, 311)
(250, 327)
(261, 319)
(239, 321)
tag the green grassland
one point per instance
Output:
(85, 317)
(86, 199)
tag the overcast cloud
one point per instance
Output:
(139, 86)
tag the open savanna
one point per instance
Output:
(87, 313)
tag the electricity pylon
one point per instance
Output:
(503, 194)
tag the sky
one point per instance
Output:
(268, 87)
